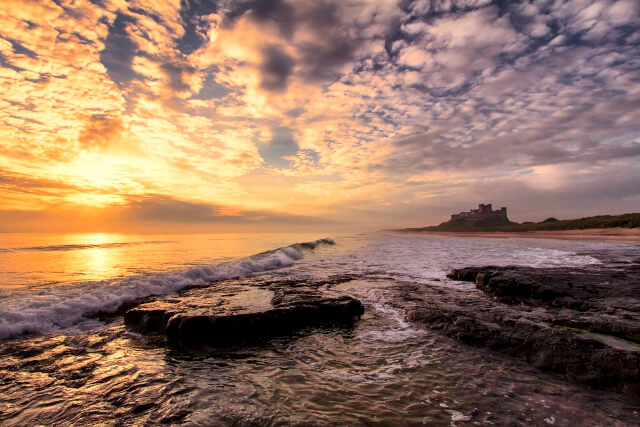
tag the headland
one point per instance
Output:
(486, 222)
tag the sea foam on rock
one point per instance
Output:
(235, 313)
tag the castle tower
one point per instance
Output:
(484, 209)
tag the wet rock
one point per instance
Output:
(578, 355)
(225, 314)
(519, 284)
(598, 300)
(583, 323)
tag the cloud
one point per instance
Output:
(120, 49)
(200, 107)
(163, 209)
(167, 210)
(193, 14)
(150, 213)
(275, 69)
(265, 11)
(101, 132)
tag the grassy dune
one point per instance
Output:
(630, 220)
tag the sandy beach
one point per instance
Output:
(620, 234)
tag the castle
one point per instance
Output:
(483, 211)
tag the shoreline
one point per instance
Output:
(617, 234)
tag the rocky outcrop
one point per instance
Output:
(583, 323)
(603, 301)
(227, 314)
(514, 285)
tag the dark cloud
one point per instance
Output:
(100, 3)
(119, 50)
(5, 63)
(275, 69)
(334, 44)
(140, 11)
(334, 40)
(176, 72)
(395, 33)
(296, 112)
(322, 59)
(436, 8)
(20, 49)
(80, 38)
(262, 11)
(193, 14)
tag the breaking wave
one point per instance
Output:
(56, 308)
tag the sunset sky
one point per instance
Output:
(192, 115)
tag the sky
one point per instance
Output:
(203, 115)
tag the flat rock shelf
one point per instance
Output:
(583, 323)
(225, 314)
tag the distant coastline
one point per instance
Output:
(618, 234)
(609, 227)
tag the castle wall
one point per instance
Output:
(483, 211)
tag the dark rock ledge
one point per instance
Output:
(229, 313)
(583, 323)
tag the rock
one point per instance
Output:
(598, 300)
(514, 285)
(583, 323)
(224, 314)
(575, 354)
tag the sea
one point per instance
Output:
(67, 359)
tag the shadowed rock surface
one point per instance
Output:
(226, 314)
(582, 323)
(601, 301)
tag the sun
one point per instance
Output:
(98, 179)
(95, 171)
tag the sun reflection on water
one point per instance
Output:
(48, 259)
(103, 260)
(99, 259)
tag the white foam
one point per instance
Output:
(458, 417)
(427, 260)
(56, 308)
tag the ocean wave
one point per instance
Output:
(56, 308)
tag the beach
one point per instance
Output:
(614, 234)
